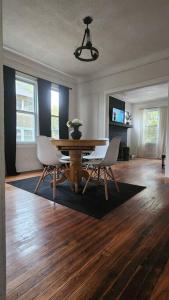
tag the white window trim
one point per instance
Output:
(29, 79)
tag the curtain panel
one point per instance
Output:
(152, 149)
(10, 120)
(44, 102)
(63, 112)
(162, 132)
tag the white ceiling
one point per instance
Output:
(145, 94)
(49, 31)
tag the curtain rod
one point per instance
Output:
(38, 77)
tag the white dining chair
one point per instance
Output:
(104, 166)
(49, 157)
(98, 153)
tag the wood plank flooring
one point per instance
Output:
(57, 253)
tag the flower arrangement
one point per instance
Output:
(128, 117)
(74, 123)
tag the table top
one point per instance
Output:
(68, 144)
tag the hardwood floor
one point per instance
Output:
(57, 253)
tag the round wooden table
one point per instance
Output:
(75, 172)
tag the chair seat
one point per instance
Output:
(65, 157)
(99, 163)
(93, 162)
(64, 161)
(93, 157)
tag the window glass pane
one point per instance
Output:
(151, 126)
(54, 103)
(24, 96)
(25, 127)
(55, 127)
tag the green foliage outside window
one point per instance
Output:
(151, 126)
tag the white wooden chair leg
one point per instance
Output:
(98, 175)
(40, 179)
(114, 178)
(87, 167)
(105, 184)
(54, 184)
(87, 181)
(109, 175)
(45, 173)
(95, 171)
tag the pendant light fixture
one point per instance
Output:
(86, 52)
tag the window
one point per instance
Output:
(151, 118)
(25, 110)
(55, 113)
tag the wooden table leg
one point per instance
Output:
(75, 173)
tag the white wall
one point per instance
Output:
(90, 113)
(26, 159)
(2, 174)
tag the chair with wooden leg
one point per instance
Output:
(104, 167)
(98, 153)
(49, 157)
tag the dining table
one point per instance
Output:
(75, 172)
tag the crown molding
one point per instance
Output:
(159, 101)
(149, 101)
(10, 53)
(18, 57)
(134, 64)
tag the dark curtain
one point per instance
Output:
(63, 112)
(44, 100)
(10, 120)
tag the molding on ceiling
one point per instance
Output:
(163, 99)
(113, 70)
(134, 64)
(154, 101)
(10, 53)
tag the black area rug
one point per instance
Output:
(92, 203)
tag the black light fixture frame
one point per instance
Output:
(88, 46)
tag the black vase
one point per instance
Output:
(76, 134)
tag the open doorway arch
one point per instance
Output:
(139, 86)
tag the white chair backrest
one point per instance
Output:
(46, 152)
(112, 152)
(100, 151)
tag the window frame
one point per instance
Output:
(33, 81)
(54, 87)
